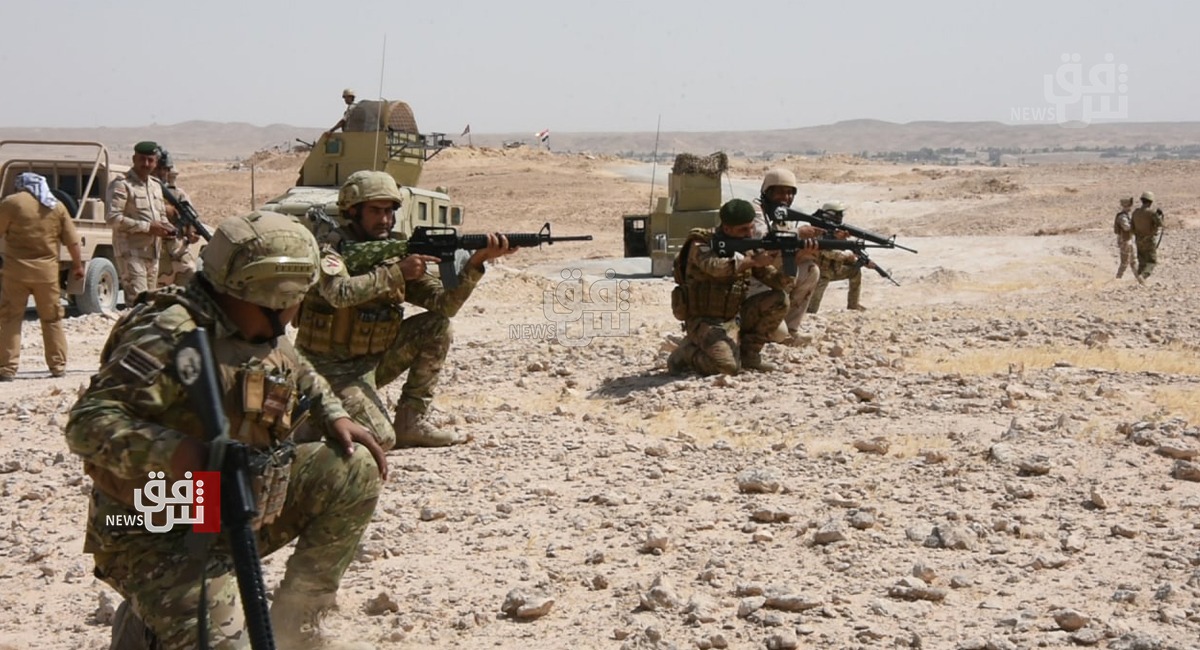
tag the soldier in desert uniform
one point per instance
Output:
(726, 327)
(353, 329)
(1147, 228)
(839, 265)
(176, 263)
(1123, 229)
(135, 418)
(779, 190)
(137, 214)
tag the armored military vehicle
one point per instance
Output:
(693, 201)
(378, 135)
(78, 174)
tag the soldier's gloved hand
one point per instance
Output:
(345, 432)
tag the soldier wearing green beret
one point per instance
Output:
(352, 326)
(137, 213)
(726, 327)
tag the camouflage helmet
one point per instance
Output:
(1148, 196)
(779, 176)
(1127, 202)
(265, 258)
(834, 206)
(365, 186)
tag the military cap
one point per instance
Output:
(146, 148)
(737, 212)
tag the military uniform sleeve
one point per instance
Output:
(772, 277)
(340, 289)
(114, 209)
(115, 424)
(429, 293)
(311, 384)
(68, 235)
(703, 260)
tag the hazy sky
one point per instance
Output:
(591, 66)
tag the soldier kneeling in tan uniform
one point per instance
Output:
(33, 224)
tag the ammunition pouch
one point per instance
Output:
(271, 472)
(315, 327)
(373, 330)
(679, 304)
(368, 329)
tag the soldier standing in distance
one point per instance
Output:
(839, 265)
(348, 97)
(779, 190)
(1123, 229)
(136, 212)
(176, 264)
(34, 224)
(135, 418)
(353, 328)
(726, 327)
(1147, 227)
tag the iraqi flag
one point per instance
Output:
(466, 130)
(542, 135)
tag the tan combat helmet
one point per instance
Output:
(348, 93)
(1127, 202)
(834, 206)
(264, 258)
(779, 176)
(1148, 196)
(365, 186)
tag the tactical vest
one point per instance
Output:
(259, 392)
(705, 297)
(1146, 221)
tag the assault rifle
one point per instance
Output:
(196, 370)
(787, 243)
(863, 260)
(439, 242)
(187, 214)
(785, 214)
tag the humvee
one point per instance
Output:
(693, 201)
(78, 173)
(379, 135)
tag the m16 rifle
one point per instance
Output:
(187, 214)
(439, 242)
(787, 243)
(822, 220)
(863, 260)
(196, 370)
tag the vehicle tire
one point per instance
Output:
(68, 202)
(100, 286)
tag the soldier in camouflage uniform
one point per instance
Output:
(839, 265)
(352, 327)
(726, 327)
(1147, 228)
(135, 418)
(779, 190)
(1123, 229)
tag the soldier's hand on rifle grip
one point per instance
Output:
(162, 229)
(346, 432)
(757, 258)
(413, 267)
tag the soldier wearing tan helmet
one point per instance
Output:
(726, 327)
(1147, 223)
(353, 328)
(778, 190)
(348, 97)
(1123, 229)
(839, 265)
(176, 263)
(135, 418)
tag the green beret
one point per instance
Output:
(146, 148)
(737, 212)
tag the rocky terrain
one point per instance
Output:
(1000, 453)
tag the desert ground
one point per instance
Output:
(1000, 453)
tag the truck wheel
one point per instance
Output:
(100, 287)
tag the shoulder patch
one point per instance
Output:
(141, 364)
(332, 265)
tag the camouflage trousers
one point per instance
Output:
(14, 295)
(1128, 256)
(715, 347)
(330, 500)
(1147, 256)
(176, 264)
(835, 273)
(808, 278)
(420, 348)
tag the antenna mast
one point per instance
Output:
(654, 166)
(382, 106)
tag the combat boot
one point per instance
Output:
(752, 360)
(414, 429)
(856, 307)
(296, 622)
(129, 632)
(680, 361)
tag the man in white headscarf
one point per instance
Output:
(34, 224)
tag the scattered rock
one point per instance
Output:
(757, 481)
(522, 604)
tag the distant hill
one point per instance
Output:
(199, 140)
